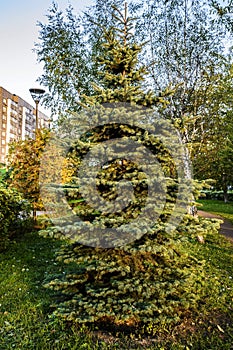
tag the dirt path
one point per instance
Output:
(226, 227)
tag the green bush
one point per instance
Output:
(14, 214)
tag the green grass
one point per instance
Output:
(217, 207)
(2, 173)
(25, 305)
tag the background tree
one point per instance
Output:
(184, 40)
(67, 60)
(67, 46)
(187, 45)
(223, 11)
(214, 158)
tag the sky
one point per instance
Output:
(19, 68)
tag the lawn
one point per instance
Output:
(26, 306)
(217, 207)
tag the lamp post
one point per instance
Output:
(36, 95)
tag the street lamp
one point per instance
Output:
(36, 95)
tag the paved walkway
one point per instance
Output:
(226, 227)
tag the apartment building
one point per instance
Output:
(17, 120)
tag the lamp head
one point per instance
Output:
(36, 94)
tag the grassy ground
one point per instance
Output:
(217, 207)
(25, 305)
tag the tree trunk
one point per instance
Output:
(34, 214)
(225, 194)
